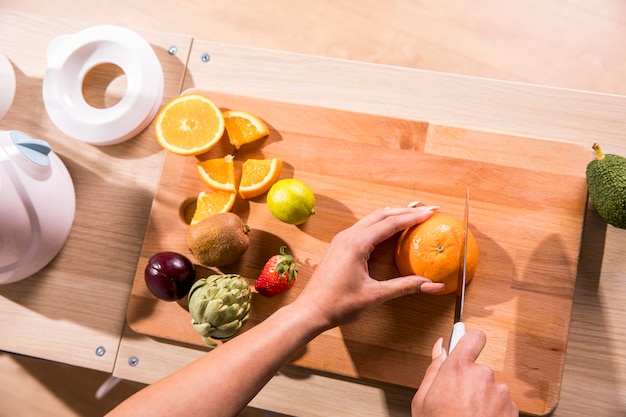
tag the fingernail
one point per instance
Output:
(413, 203)
(427, 208)
(437, 349)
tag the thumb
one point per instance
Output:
(411, 284)
(439, 356)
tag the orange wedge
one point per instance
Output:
(258, 175)
(189, 125)
(243, 127)
(209, 204)
(218, 174)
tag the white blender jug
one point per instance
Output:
(37, 205)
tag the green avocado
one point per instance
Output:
(606, 182)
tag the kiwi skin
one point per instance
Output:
(218, 240)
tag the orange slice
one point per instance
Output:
(258, 175)
(209, 204)
(218, 174)
(189, 125)
(243, 127)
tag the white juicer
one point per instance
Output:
(37, 205)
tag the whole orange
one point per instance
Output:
(433, 248)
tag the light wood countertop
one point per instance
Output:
(594, 380)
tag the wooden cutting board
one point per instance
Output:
(528, 200)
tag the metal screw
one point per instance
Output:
(173, 49)
(133, 361)
(205, 58)
(100, 351)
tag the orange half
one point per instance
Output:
(209, 204)
(190, 124)
(243, 127)
(218, 174)
(258, 175)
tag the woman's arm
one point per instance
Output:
(223, 381)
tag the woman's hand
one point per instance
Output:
(338, 291)
(341, 287)
(455, 386)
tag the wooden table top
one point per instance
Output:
(30, 310)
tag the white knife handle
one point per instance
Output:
(458, 330)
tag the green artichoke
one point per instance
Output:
(219, 306)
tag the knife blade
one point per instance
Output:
(458, 328)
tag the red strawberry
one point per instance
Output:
(278, 274)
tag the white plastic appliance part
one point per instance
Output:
(7, 85)
(72, 57)
(37, 205)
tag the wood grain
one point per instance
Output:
(564, 43)
(523, 291)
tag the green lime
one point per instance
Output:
(291, 201)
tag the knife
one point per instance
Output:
(458, 329)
